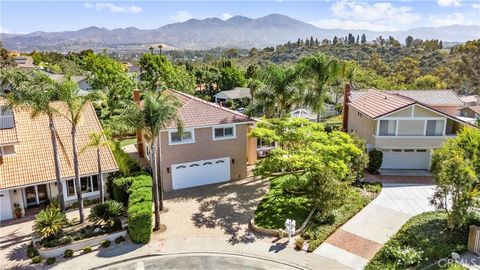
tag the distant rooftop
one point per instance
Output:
(429, 97)
(235, 93)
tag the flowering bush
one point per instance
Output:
(404, 256)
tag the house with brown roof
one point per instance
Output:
(403, 126)
(213, 147)
(27, 172)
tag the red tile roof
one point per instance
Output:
(196, 112)
(376, 103)
(475, 109)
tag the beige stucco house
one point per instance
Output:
(27, 172)
(405, 129)
(214, 146)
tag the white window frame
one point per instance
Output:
(233, 136)
(85, 194)
(191, 130)
(6, 155)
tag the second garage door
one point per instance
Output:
(201, 172)
(405, 159)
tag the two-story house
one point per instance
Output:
(213, 147)
(27, 171)
(403, 128)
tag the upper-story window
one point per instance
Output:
(6, 118)
(434, 128)
(387, 128)
(177, 137)
(221, 133)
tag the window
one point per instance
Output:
(187, 136)
(396, 150)
(409, 150)
(95, 182)
(70, 188)
(86, 184)
(434, 128)
(6, 118)
(387, 128)
(223, 133)
(421, 150)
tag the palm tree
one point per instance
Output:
(157, 111)
(320, 70)
(283, 89)
(35, 91)
(151, 49)
(160, 48)
(98, 140)
(75, 106)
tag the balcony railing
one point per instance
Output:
(410, 141)
(6, 121)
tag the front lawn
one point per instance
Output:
(278, 205)
(421, 242)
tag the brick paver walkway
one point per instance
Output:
(354, 244)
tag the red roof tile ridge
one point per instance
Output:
(209, 103)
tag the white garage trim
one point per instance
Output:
(408, 159)
(201, 172)
(5, 205)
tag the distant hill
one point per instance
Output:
(238, 31)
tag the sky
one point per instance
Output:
(29, 16)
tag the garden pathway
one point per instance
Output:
(358, 240)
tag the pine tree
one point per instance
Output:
(364, 39)
(316, 42)
(358, 39)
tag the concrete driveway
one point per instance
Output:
(213, 211)
(358, 240)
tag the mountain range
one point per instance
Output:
(238, 31)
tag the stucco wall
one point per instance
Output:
(16, 197)
(415, 142)
(452, 110)
(407, 112)
(205, 148)
(422, 112)
(364, 126)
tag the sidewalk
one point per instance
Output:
(358, 240)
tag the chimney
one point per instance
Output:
(346, 100)
(140, 148)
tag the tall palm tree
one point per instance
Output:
(151, 49)
(98, 140)
(283, 89)
(75, 105)
(35, 91)
(160, 48)
(157, 111)
(319, 70)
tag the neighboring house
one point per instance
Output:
(472, 112)
(27, 171)
(81, 81)
(471, 100)
(24, 63)
(214, 146)
(446, 101)
(235, 94)
(404, 129)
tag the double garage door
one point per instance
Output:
(409, 159)
(201, 172)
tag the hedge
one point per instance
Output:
(140, 209)
(120, 188)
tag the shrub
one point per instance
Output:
(375, 160)
(68, 253)
(299, 243)
(404, 256)
(105, 243)
(31, 251)
(51, 260)
(37, 259)
(120, 188)
(126, 164)
(49, 222)
(108, 212)
(120, 239)
(140, 209)
(87, 249)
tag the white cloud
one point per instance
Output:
(115, 8)
(181, 16)
(476, 6)
(450, 19)
(379, 16)
(449, 3)
(226, 16)
(4, 30)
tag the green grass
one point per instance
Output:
(426, 234)
(128, 142)
(322, 226)
(333, 119)
(278, 205)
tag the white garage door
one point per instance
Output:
(405, 159)
(5, 207)
(200, 172)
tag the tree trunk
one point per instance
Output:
(56, 160)
(100, 177)
(155, 187)
(76, 168)
(159, 173)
